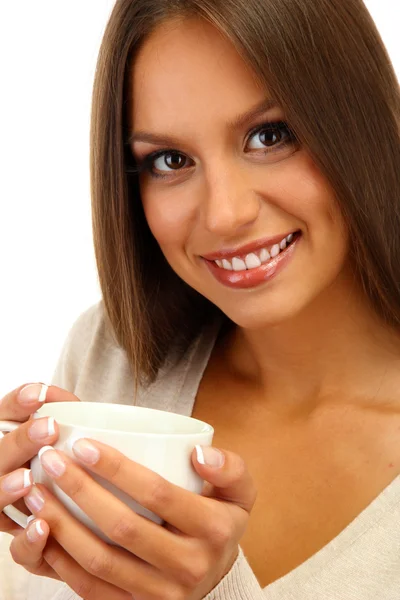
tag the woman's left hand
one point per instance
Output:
(184, 560)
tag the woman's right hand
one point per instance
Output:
(19, 446)
(35, 553)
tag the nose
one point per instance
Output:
(230, 205)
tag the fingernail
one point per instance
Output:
(86, 452)
(42, 428)
(206, 455)
(33, 392)
(51, 461)
(34, 532)
(34, 500)
(17, 481)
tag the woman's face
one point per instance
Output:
(224, 181)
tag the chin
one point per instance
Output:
(262, 314)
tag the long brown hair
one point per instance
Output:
(326, 65)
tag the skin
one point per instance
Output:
(308, 379)
(226, 192)
(185, 559)
(189, 82)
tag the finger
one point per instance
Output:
(20, 403)
(9, 526)
(27, 548)
(50, 560)
(20, 445)
(144, 538)
(181, 508)
(12, 487)
(26, 399)
(228, 475)
(112, 564)
(80, 581)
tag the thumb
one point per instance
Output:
(227, 476)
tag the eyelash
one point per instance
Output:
(146, 164)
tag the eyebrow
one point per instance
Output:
(237, 123)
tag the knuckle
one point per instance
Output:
(194, 572)
(172, 593)
(76, 487)
(157, 494)
(114, 467)
(85, 589)
(220, 532)
(122, 530)
(99, 565)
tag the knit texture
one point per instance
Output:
(361, 563)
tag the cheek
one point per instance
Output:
(168, 217)
(310, 196)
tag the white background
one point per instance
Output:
(48, 53)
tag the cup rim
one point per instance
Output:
(208, 429)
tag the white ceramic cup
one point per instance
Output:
(159, 440)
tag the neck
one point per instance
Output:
(336, 349)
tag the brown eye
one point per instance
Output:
(269, 138)
(271, 135)
(162, 164)
(173, 160)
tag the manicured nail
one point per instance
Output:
(206, 455)
(35, 531)
(17, 481)
(86, 452)
(51, 461)
(34, 500)
(33, 392)
(1, 435)
(42, 428)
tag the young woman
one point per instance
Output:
(245, 195)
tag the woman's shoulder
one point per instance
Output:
(90, 325)
(94, 367)
(86, 346)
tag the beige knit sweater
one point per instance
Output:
(361, 563)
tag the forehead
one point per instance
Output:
(186, 67)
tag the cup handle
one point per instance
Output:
(16, 515)
(7, 426)
(13, 513)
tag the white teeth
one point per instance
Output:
(252, 261)
(226, 265)
(275, 250)
(264, 255)
(238, 264)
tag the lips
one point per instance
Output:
(252, 278)
(242, 251)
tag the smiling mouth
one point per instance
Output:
(253, 260)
